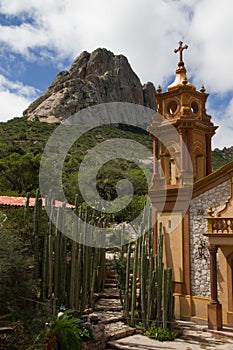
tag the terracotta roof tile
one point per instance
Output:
(21, 201)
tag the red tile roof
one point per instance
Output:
(21, 201)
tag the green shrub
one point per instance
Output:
(160, 334)
(65, 333)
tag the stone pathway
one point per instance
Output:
(120, 336)
(109, 310)
(195, 337)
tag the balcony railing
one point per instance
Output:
(220, 226)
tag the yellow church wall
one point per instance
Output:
(189, 307)
(199, 308)
(182, 306)
(223, 252)
(173, 243)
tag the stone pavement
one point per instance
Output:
(194, 337)
(120, 336)
(109, 310)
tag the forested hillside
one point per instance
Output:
(22, 143)
(221, 157)
(21, 146)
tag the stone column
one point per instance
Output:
(214, 307)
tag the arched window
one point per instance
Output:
(171, 170)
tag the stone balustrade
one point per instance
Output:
(220, 225)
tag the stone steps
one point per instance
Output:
(118, 330)
(113, 345)
(109, 316)
(6, 325)
(110, 293)
(110, 285)
(103, 306)
(109, 311)
(4, 330)
(111, 279)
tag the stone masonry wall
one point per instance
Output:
(200, 276)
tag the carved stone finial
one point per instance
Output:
(180, 50)
(185, 81)
(210, 211)
(159, 89)
(202, 89)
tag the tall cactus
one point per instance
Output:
(50, 252)
(57, 260)
(63, 259)
(134, 280)
(156, 297)
(37, 222)
(150, 292)
(127, 286)
(78, 279)
(26, 209)
(159, 275)
(45, 265)
(143, 283)
(68, 275)
(72, 275)
(93, 268)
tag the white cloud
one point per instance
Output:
(224, 134)
(22, 39)
(145, 31)
(14, 98)
(212, 46)
(12, 105)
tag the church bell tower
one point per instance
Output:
(183, 107)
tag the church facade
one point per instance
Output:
(194, 204)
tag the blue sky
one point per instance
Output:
(40, 38)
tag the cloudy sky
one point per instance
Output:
(40, 38)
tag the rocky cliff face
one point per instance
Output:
(93, 78)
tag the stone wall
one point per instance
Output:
(216, 197)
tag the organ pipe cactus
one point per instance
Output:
(70, 271)
(127, 286)
(37, 221)
(156, 298)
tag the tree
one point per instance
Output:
(20, 173)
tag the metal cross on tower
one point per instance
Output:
(180, 49)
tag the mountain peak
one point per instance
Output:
(93, 78)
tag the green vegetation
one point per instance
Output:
(65, 332)
(145, 285)
(160, 334)
(41, 269)
(221, 157)
(22, 144)
(18, 285)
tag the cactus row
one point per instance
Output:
(69, 272)
(148, 295)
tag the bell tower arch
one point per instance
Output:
(180, 158)
(185, 108)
